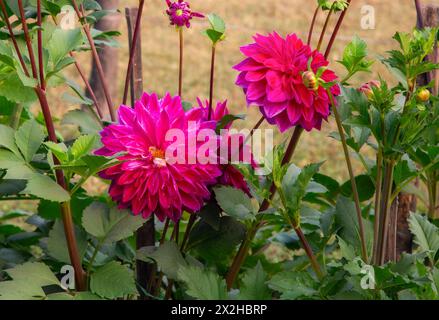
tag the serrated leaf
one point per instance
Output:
(57, 243)
(7, 139)
(83, 146)
(426, 234)
(168, 257)
(234, 202)
(16, 168)
(112, 281)
(109, 225)
(29, 138)
(86, 122)
(203, 284)
(254, 284)
(36, 273)
(62, 42)
(20, 290)
(44, 187)
(293, 285)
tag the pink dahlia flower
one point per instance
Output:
(145, 181)
(231, 176)
(272, 78)
(180, 13)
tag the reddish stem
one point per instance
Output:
(313, 22)
(180, 66)
(14, 41)
(40, 46)
(28, 40)
(212, 77)
(97, 60)
(136, 35)
(336, 30)
(325, 26)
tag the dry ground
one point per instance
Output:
(245, 18)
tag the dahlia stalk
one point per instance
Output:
(351, 175)
(245, 245)
(41, 95)
(180, 14)
(104, 83)
(133, 46)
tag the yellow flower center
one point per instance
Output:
(179, 12)
(157, 153)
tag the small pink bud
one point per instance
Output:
(367, 88)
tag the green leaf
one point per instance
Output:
(15, 166)
(354, 57)
(36, 273)
(57, 243)
(109, 225)
(83, 146)
(62, 42)
(426, 234)
(168, 257)
(235, 203)
(58, 149)
(253, 284)
(216, 245)
(216, 22)
(365, 187)
(295, 183)
(203, 284)
(293, 285)
(44, 187)
(29, 138)
(13, 89)
(346, 220)
(7, 139)
(86, 122)
(20, 290)
(112, 281)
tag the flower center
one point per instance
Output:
(179, 12)
(157, 153)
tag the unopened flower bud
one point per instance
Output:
(423, 95)
(367, 88)
(310, 80)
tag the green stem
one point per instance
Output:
(180, 69)
(325, 26)
(212, 78)
(351, 175)
(378, 185)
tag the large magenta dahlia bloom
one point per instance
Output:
(272, 77)
(145, 181)
(180, 13)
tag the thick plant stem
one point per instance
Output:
(385, 209)
(65, 207)
(378, 186)
(180, 64)
(187, 233)
(14, 41)
(28, 40)
(133, 46)
(313, 23)
(40, 46)
(314, 263)
(242, 253)
(352, 177)
(97, 60)
(212, 78)
(325, 26)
